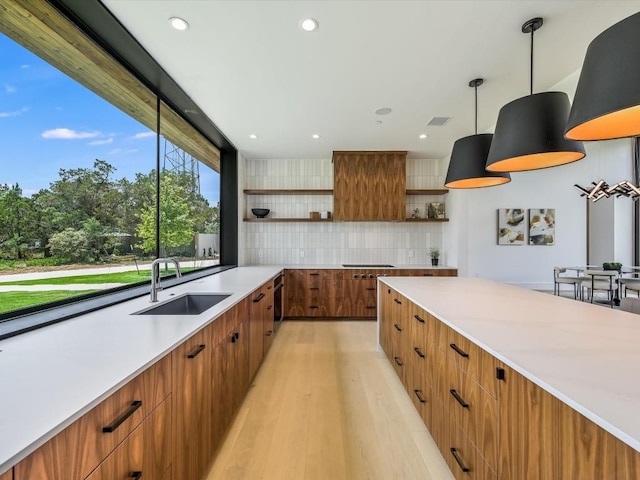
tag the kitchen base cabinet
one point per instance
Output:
(7, 475)
(488, 421)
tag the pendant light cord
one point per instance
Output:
(476, 90)
(531, 64)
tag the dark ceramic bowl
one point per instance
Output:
(260, 212)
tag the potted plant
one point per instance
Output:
(612, 266)
(435, 255)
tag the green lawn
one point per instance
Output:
(14, 300)
(123, 277)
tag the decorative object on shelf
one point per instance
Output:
(469, 158)
(435, 210)
(529, 133)
(603, 190)
(325, 215)
(542, 226)
(314, 215)
(260, 212)
(415, 213)
(510, 226)
(607, 100)
(617, 266)
(434, 253)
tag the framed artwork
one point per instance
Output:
(435, 210)
(542, 226)
(511, 226)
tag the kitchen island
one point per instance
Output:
(556, 376)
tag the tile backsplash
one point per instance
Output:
(333, 242)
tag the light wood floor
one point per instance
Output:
(326, 405)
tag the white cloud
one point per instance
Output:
(25, 66)
(10, 88)
(140, 135)
(120, 151)
(68, 134)
(14, 113)
(106, 141)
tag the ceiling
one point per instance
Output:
(253, 70)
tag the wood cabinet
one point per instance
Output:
(7, 475)
(488, 420)
(78, 449)
(369, 186)
(261, 328)
(340, 293)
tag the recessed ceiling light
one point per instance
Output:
(178, 23)
(423, 136)
(308, 24)
(253, 136)
(382, 111)
(315, 135)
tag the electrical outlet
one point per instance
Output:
(410, 253)
(301, 253)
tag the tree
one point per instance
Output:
(15, 217)
(177, 224)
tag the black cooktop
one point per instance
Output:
(367, 265)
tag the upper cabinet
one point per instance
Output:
(369, 186)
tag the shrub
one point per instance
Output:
(72, 245)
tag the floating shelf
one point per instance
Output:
(427, 220)
(436, 191)
(288, 192)
(288, 220)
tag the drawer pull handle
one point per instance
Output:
(419, 395)
(314, 288)
(269, 332)
(258, 298)
(197, 351)
(454, 452)
(460, 352)
(417, 317)
(419, 352)
(371, 289)
(459, 398)
(314, 274)
(235, 337)
(427, 275)
(269, 307)
(398, 361)
(397, 327)
(372, 308)
(313, 306)
(135, 475)
(500, 373)
(397, 301)
(135, 405)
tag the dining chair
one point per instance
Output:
(559, 278)
(630, 283)
(600, 281)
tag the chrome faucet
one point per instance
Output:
(155, 275)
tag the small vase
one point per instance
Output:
(434, 262)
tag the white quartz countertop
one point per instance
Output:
(52, 376)
(588, 356)
(364, 266)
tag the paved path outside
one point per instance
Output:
(47, 288)
(96, 271)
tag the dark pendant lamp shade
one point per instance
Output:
(607, 100)
(469, 156)
(467, 166)
(530, 135)
(529, 132)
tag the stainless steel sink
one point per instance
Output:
(187, 304)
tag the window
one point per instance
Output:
(78, 178)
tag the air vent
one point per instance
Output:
(438, 121)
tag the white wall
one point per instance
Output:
(473, 213)
(333, 242)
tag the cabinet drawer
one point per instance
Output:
(7, 475)
(78, 449)
(474, 361)
(475, 412)
(126, 462)
(463, 458)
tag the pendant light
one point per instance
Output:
(607, 100)
(469, 156)
(530, 130)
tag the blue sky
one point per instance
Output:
(49, 121)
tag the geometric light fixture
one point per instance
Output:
(602, 190)
(469, 157)
(529, 133)
(607, 100)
